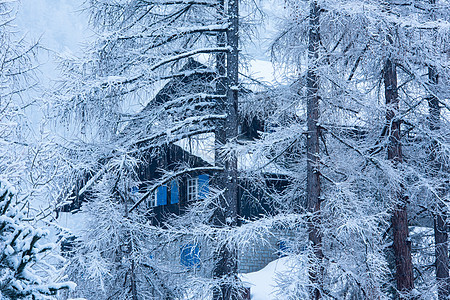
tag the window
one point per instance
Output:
(197, 187)
(192, 189)
(155, 196)
(190, 256)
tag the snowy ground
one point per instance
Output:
(263, 284)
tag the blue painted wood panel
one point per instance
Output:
(203, 186)
(174, 192)
(161, 196)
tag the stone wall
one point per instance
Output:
(252, 258)
(257, 255)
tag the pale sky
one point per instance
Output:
(60, 25)
(63, 28)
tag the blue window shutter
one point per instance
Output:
(203, 186)
(174, 192)
(190, 256)
(161, 196)
(134, 190)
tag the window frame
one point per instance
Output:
(154, 198)
(192, 189)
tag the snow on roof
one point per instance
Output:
(202, 146)
(251, 162)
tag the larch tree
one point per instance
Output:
(107, 98)
(361, 47)
(401, 242)
(440, 215)
(333, 134)
(418, 148)
(226, 133)
(329, 44)
(313, 187)
(440, 218)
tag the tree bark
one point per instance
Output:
(402, 244)
(440, 218)
(441, 252)
(129, 249)
(227, 214)
(313, 188)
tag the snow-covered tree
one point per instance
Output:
(28, 265)
(16, 77)
(354, 41)
(24, 271)
(109, 96)
(359, 135)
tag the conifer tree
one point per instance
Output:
(142, 45)
(24, 273)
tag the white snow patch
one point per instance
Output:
(73, 222)
(263, 285)
(201, 145)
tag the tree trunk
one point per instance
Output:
(134, 291)
(129, 249)
(441, 252)
(440, 218)
(402, 244)
(227, 214)
(312, 147)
